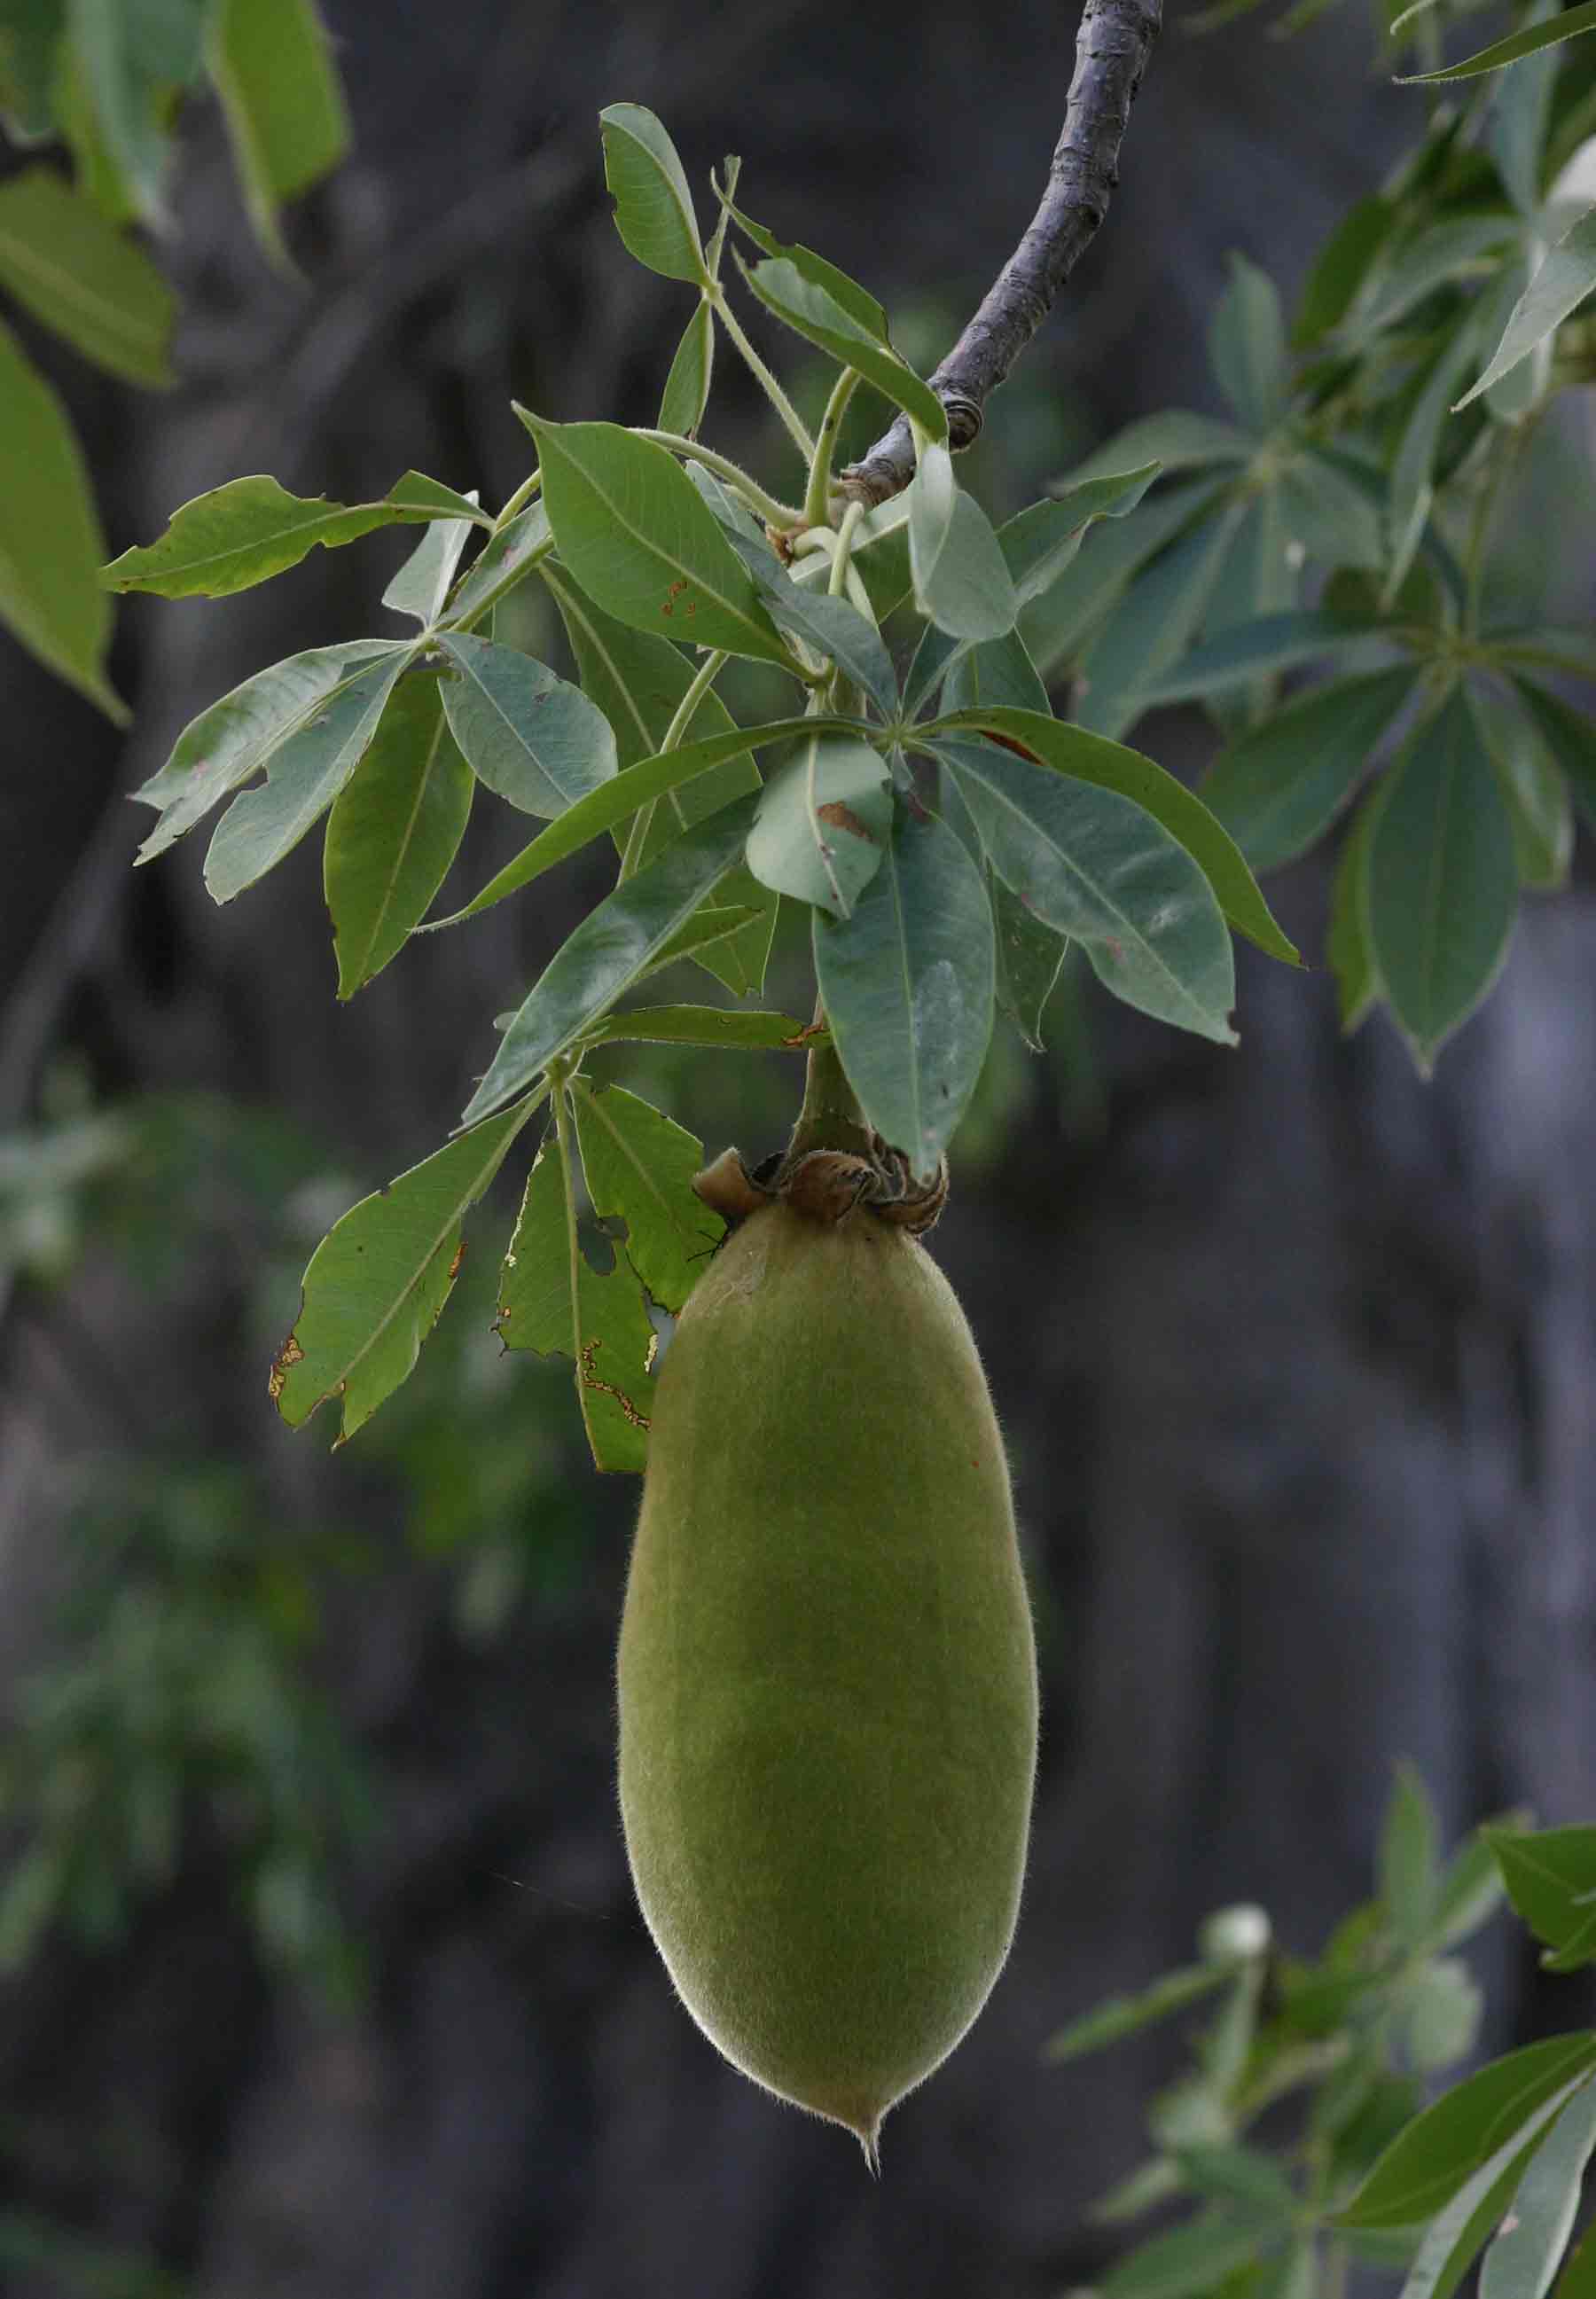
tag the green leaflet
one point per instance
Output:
(906, 983)
(553, 1298)
(93, 283)
(51, 598)
(377, 1283)
(639, 1165)
(253, 529)
(1443, 879)
(653, 206)
(638, 537)
(394, 829)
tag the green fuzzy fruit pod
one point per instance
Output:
(827, 1679)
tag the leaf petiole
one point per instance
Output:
(761, 374)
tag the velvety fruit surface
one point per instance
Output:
(828, 1683)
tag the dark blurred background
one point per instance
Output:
(323, 1974)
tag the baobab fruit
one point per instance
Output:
(828, 1683)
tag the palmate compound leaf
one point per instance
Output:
(641, 541)
(906, 983)
(251, 528)
(50, 542)
(532, 737)
(1097, 868)
(616, 943)
(233, 738)
(377, 1282)
(1442, 878)
(1432, 2157)
(1085, 757)
(394, 829)
(304, 776)
(639, 1167)
(553, 1299)
(823, 822)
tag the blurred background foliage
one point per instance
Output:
(321, 1970)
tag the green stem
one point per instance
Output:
(519, 501)
(558, 1074)
(762, 376)
(830, 1118)
(817, 507)
(709, 670)
(767, 507)
(716, 241)
(842, 556)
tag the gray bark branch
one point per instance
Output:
(1111, 53)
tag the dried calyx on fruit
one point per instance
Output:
(827, 1681)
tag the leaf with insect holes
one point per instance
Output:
(234, 737)
(603, 1328)
(653, 206)
(376, 1283)
(639, 1165)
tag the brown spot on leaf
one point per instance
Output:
(843, 817)
(459, 1257)
(590, 1350)
(1007, 742)
(290, 1354)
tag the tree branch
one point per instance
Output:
(1111, 52)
